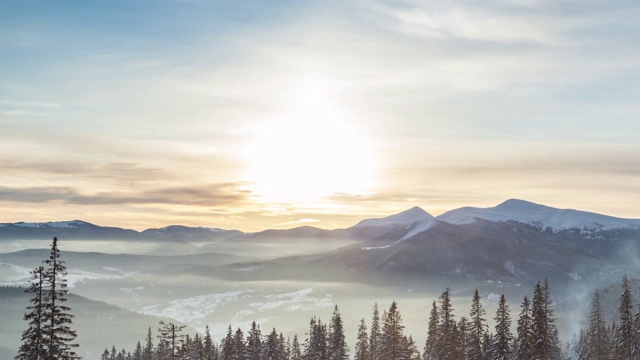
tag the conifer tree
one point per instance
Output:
(362, 343)
(596, 338)
(208, 347)
(430, 346)
(227, 347)
(147, 353)
(57, 317)
(477, 328)
(445, 347)
(172, 340)
(392, 334)
(375, 334)
(253, 350)
(272, 349)
(238, 345)
(463, 337)
(624, 336)
(524, 332)
(337, 347)
(49, 335)
(33, 344)
(137, 353)
(503, 337)
(296, 353)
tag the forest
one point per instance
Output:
(531, 333)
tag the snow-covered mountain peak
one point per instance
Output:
(406, 217)
(538, 215)
(54, 224)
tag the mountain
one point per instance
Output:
(406, 217)
(71, 230)
(538, 215)
(191, 234)
(98, 324)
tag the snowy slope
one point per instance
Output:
(538, 215)
(406, 217)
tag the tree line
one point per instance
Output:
(49, 335)
(448, 338)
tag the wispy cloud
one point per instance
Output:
(226, 194)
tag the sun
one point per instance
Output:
(311, 151)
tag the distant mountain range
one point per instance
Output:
(540, 216)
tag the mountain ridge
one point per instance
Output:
(517, 210)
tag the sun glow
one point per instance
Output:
(311, 151)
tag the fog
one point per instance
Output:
(218, 284)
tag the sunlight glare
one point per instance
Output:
(311, 151)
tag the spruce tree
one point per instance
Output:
(430, 346)
(337, 346)
(296, 353)
(147, 353)
(362, 343)
(253, 350)
(172, 340)
(596, 338)
(524, 332)
(477, 328)
(463, 337)
(227, 347)
(238, 345)
(374, 336)
(445, 347)
(503, 337)
(33, 346)
(392, 335)
(49, 335)
(624, 336)
(272, 349)
(208, 347)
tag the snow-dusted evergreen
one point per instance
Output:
(49, 334)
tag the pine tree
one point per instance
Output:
(337, 346)
(463, 337)
(374, 336)
(362, 343)
(624, 336)
(253, 350)
(430, 346)
(392, 334)
(272, 348)
(49, 335)
(524, 332)
(296, 353)
(596, 337)
(57, 317)
(33, 346)
(147, 353)
(137, 354)
(503, 337)
(445, 347)
(172, 340)
(208, 346)
(238, 345)
(478, 327)
(227, 347)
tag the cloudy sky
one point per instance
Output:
(272, 114)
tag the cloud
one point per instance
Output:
(224, 194)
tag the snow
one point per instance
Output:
(297, 300)
(406, 217)
(193, 308)
(419, 227)
(538, 215)
(55, 224)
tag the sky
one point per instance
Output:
(274, 114)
